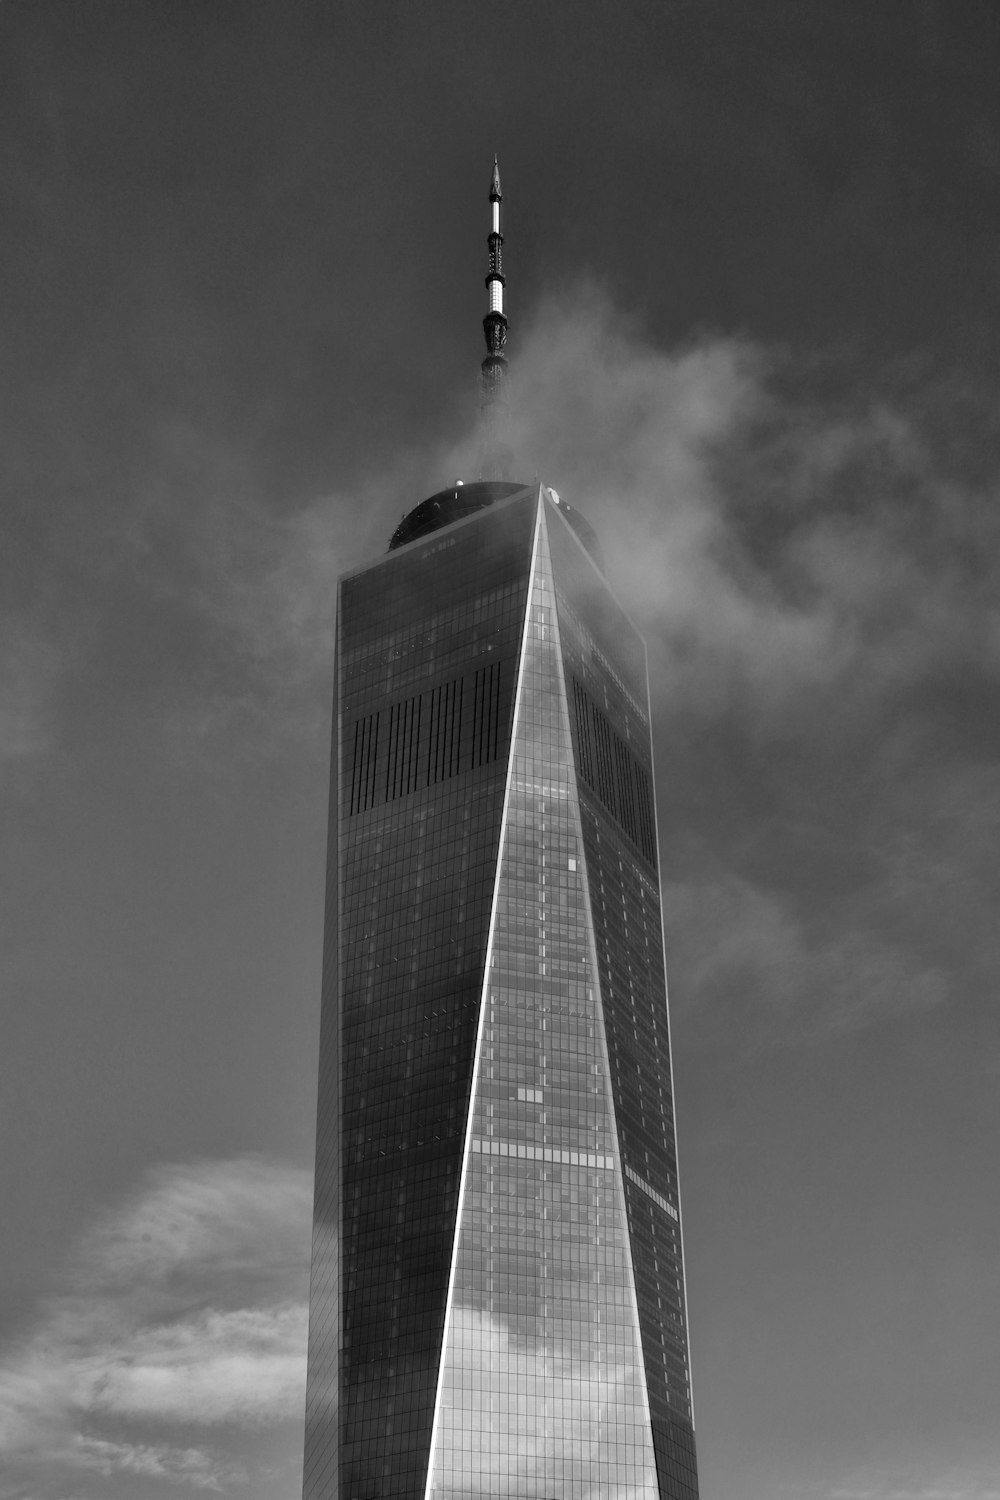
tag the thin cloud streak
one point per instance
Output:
(923, 1492)
(964, 1482)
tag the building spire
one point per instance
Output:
(493, 402)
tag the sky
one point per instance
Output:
(751, 256)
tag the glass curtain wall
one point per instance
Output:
(543, 1389)
(497, 1301)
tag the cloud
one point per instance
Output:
(746, 968)
(183, 1308)
(812, 551)
(241, 1366)
(948, 1490)
(187, 1466)
(776, 539)
(908, 1482)
(243, 588)
(30, 667)
(784, 529)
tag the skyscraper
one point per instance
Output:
(497, 1303)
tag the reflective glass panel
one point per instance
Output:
(543, 1389)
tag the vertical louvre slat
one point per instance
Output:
(431, 737)
(608, 765)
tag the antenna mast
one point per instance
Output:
(493, 401)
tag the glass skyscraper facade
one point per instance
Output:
(497, 1303)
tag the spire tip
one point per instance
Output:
(495, 193)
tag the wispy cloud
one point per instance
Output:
(196, 1468)
(183, 1309)
(247, 587)
(774, 537)
(30, 666)
(963, 1490)
(749, 970)
(777, 539)
(813, 554)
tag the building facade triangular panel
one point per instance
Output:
(542, 1385)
